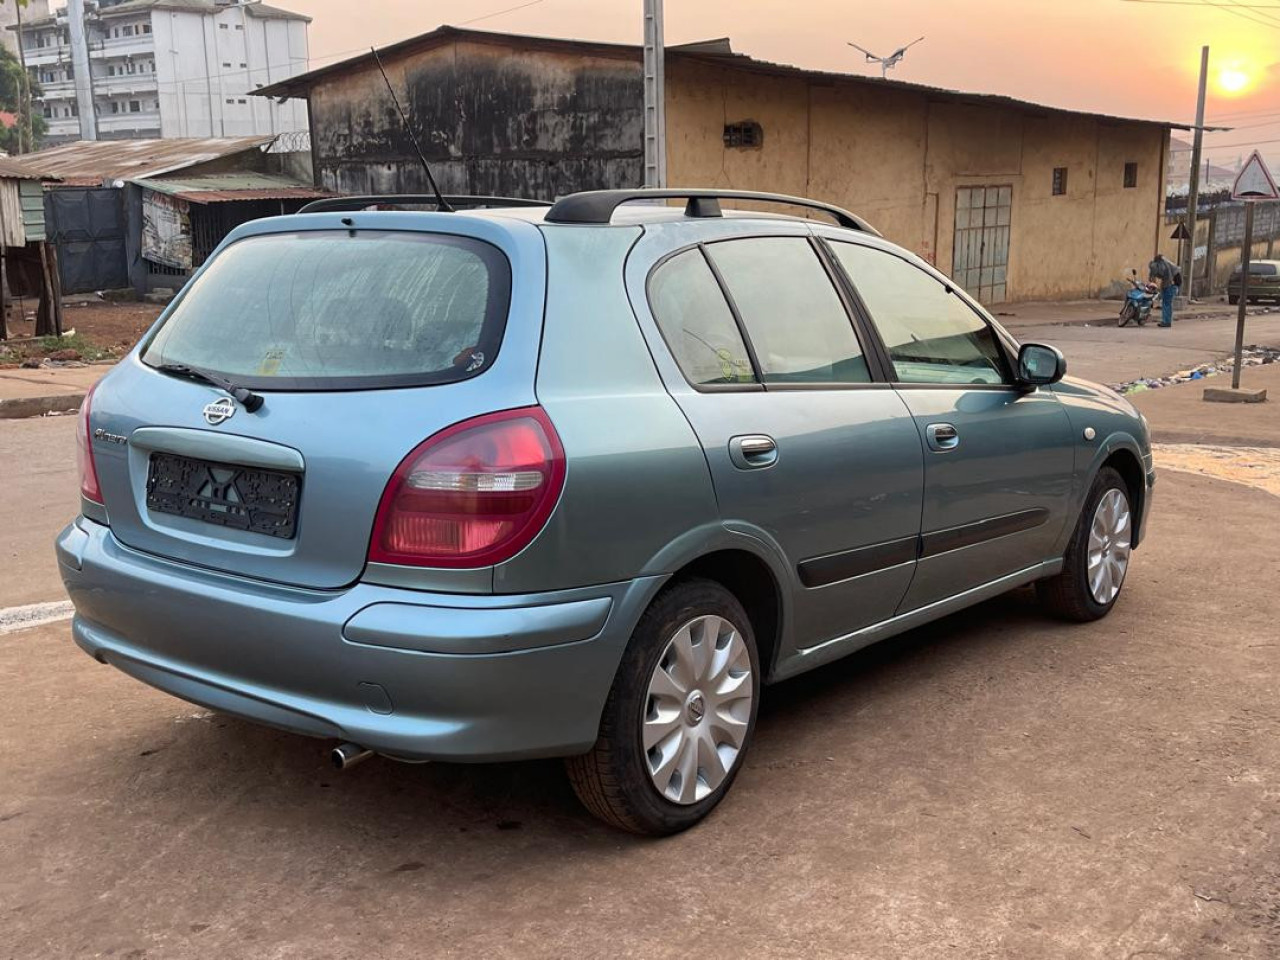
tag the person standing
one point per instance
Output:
(1169, 277)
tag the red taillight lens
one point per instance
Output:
(473, 495)
(89, 488)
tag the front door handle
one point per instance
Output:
(942, 437)
(753, 452)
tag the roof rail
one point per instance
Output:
(597, 206)
(339, 204)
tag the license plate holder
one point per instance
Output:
(224, 494)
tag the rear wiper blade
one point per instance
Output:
(248, 399)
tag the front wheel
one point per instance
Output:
(680, 716)
(1126, 314)
(1097, 557)
(1233, 300)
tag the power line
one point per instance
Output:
(1270, 16)
(1197, 3)
(1240, 11)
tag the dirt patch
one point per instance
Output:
(1257, 467)
(101, 331)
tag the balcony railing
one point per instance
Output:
(40, 56)
(57, 89)
(129, 83)
(142, 120)
(105, 49)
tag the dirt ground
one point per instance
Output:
(996, 785)
(104, 330)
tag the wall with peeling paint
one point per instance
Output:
(897, 157)
(516, 118)
(491, 120)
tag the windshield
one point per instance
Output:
(341, 310)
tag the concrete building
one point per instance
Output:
(1017, 200)
(171, 68)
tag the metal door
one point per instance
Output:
(981, 253)
(87, 226)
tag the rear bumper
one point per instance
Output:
(401, 672)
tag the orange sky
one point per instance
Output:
(1114, 56)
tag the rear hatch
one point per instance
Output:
(361, 343)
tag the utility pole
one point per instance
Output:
(655, 110)
(80, 63)
(1193, 193)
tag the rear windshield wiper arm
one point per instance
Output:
(249, 400)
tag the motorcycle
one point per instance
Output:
(1138, 302)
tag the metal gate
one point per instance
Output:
(87, 226)
(980, 259)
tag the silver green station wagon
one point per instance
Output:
(574, 480)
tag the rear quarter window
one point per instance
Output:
(335, 310)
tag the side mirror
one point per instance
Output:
(1040, 365)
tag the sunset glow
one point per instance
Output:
(1233, 81)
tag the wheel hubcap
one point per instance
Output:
(1109, 546)
(698, 709)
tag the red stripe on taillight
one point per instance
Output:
(472, 495)
(89, 488)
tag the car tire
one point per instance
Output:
(694, 642)
(1233, 300)
(1097, 557)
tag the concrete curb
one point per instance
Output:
(24, 407)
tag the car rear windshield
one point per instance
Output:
(1258, 270)
(341, 310)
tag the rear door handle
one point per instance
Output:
(942, 437)
(754, 451)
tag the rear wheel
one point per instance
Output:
(1097, 558)
(1233, 300)
(680, 716)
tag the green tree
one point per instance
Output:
(19, 98)
(12, 101)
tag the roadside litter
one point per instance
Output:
(1253, 356)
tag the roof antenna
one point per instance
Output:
(441, 203)
(889, 62)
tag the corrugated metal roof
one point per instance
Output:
(15, 168)
(712, 51)
(234, 186)
(91, 162)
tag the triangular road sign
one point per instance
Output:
(1180, 232)
(1254, 182)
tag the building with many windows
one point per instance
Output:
(171, 68)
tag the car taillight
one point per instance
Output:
(89, 488)
(472, 495)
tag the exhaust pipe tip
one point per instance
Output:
(347, 755)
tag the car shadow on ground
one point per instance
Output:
(395, 806)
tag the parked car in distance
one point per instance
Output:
(1264, 281)
(575, 480)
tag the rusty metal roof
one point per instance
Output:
(718, 51)
(13, 168)
(92, 162)
(218, 188)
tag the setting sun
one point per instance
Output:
(1232, 80)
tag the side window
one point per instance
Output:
(933, 336)
(696, 322)
(797, 324)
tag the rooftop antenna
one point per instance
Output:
(889, 62)
(441, 203)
